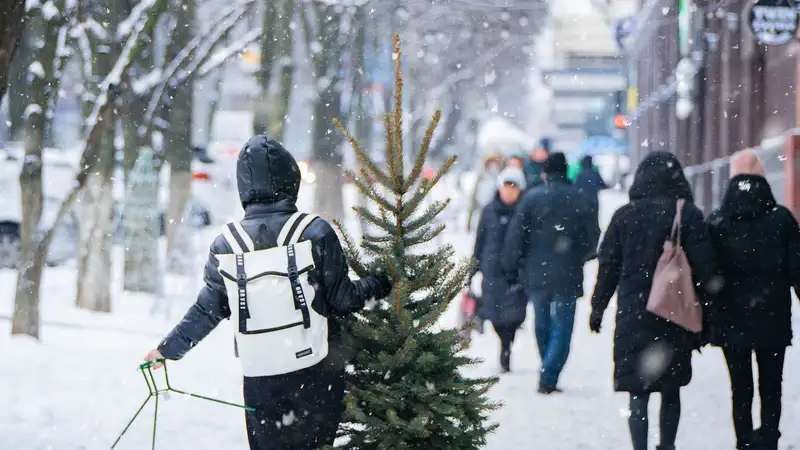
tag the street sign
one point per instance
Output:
(774, 22)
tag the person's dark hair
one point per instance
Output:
(660, 174)
(556, 164)
(587, 162)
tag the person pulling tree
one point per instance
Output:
(282, 277)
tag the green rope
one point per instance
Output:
(154, 391)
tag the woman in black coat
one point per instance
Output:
(758, 244)
(502, 301)
(651, 354)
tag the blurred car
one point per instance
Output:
(65, 242)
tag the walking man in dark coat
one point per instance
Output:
(589, 181)
(269, 180)
(551, 236)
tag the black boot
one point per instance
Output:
(505, 361)
(662, 447)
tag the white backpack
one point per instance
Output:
(270, 299)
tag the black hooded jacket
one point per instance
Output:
(758, 244)
(269, 180)
(627, 260)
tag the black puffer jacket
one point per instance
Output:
(552, 234)
(269, 180)
(503, 301)
(758, 244)
(651, 354)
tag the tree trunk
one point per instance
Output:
(180, 190)
(178, 144)
(96, 218)
(18, 87)
(276, 74)
(12, 23)
(33, 251)
(95, 265)
(328, 199)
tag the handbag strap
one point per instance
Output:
(675, 234)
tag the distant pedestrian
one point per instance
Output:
(502, 299)
(535, 164)
(650, 353)
(589, 182)
(551, 236)
(758, 244)
(484, 191)
(516, 160)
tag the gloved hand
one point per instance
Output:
(384, 285)
(595, 321)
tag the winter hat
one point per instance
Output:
(746, 162)
(556, 164)
(511, 175)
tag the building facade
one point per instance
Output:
(743, 94)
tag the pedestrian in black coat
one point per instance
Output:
(502, 299)
(758, 244)
(651, 354)
(589, 181)
(551, 236)
(301, 409)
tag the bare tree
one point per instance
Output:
(12, 23)
(276, 73)
(54, 23)
(98, 48)
(154, 92)
(178, 137)
(325, 27)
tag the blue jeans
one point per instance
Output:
(554, 320)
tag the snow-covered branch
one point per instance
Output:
(196, 52)
(221, 56)
(135, 18)
(142, 20)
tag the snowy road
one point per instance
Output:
(79, 386)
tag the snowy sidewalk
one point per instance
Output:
(78, 388)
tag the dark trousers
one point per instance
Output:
(506, 333)
(638, 422)
(770, 378)
(296, 411)
(553, 324)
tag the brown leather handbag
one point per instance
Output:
(672, 294)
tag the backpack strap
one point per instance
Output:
(301, 227)
(237, 238)
(297, 290)
(287, 229)
(241, 290)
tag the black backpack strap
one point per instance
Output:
(297, 290)
(241, 289)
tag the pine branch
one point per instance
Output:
(362, 156)
(430, 213)
(397, 114)
(390, 157)
(419, 165)
(412, 204)
(369, 191)
(424, 236)
(365, 214)
(352, 254)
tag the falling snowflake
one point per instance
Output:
(744, 186)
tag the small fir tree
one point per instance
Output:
(406, 389)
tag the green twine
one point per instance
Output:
(154, 392)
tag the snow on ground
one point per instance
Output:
(78, 387)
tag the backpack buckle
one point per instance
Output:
(241, 278)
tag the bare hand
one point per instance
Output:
(154, 355)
